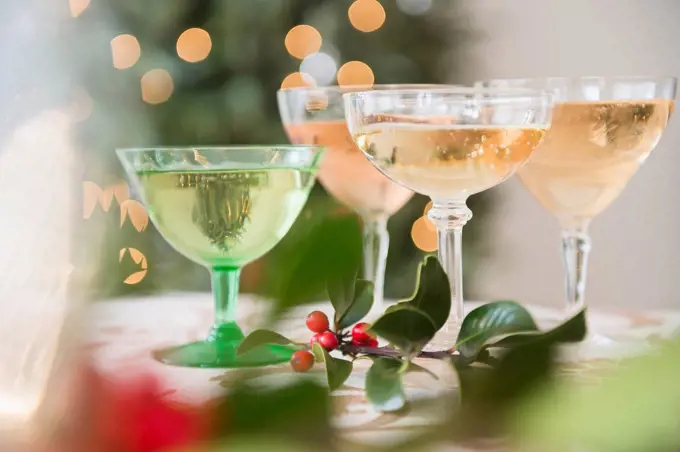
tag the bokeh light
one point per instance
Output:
(414, 7)
(366, 15)
(297, 79)
(355, 73)
(427, 220)
(125, 51)
(138, 258)
(78, 6)
(321, 66)
(423, 235)
(157, 86)
(194, 45)
(302, 41)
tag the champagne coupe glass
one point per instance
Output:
(603, 130)
(448, 144)
(316, 115)
(223, 207)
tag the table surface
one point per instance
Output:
(123, 332)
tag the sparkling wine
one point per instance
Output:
(225, 217)
(345, 172)
(590, 153)
(447, 160)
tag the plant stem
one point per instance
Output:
(350, 349)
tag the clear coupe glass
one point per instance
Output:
(223, 207)
(448, 144)
(603, 130)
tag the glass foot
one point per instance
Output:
(219, 351)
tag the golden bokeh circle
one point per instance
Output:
(355, 73)
(194, 45)
(423, 235)
(125, 50)
(157, 86)
(366, 15)
(297, 79)
(302, 41)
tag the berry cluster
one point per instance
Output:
(318, 323)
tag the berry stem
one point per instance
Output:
(351, 349)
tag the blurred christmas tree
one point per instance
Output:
(201, 72)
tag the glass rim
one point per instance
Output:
(367, 87)
(462, 93)
(276, 147)
(638, 78)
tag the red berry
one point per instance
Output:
(302, 361)
(328, 340)
(317, 322)
(315, 339)
(360, 333)
(372, 343)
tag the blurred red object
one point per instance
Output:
(131, 414)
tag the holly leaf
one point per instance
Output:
(409, 366)
(408, 328)
(299, 412)
(341, 290)
(573, 329)
(432, 293)
(337, 370)
(384, 387)
(487, 393)
(317, 253)
(261, 337)
(361, 303)
(491, 320)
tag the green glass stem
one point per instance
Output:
(219, 350)
(225, 284)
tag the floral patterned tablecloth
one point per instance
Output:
(123, 332)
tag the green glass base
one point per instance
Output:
(219, 351)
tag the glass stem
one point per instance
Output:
(575, 250)
(449, 217)
(225, 284)
(376, 246)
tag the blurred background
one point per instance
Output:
(206, 72)
(85, 77)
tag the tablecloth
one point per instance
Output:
(123, 332)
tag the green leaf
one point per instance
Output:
(341, 289)
(573, 329)
(298, 412)
(410, 366)
(261, 337)
(337, 370)
(361, 303)
(491, 320)
(486, 394)
(384, 388)
(407, 328)
(432, 293)
(320, 251)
